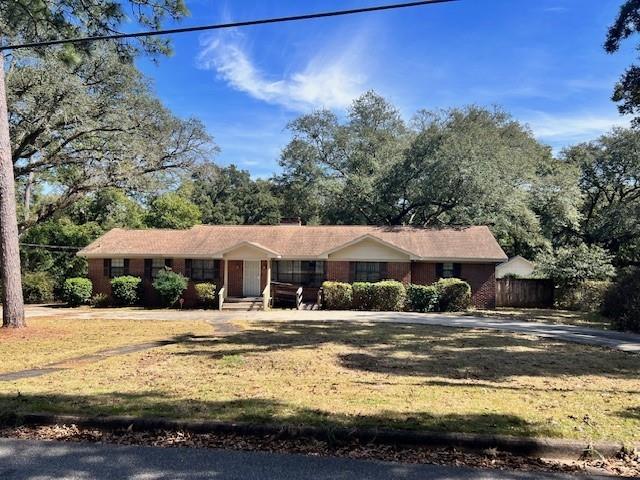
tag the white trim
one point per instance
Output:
(249, 244)
(368, 236)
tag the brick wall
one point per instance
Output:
(423, 273)
(101, 284)
(337, 271)
(482, 278)
(400, 271)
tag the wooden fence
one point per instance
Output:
(520, 292)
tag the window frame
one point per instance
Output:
(306, 273)
(118, 270)
(369, 272)
(200, 273)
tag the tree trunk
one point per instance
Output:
(12, 302)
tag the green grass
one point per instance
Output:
(346, 374)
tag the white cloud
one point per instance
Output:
(573, 127)
(329, 79)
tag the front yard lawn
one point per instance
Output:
(390, 375)
(51, 339)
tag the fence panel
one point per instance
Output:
(520, 292)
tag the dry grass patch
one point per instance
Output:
(52, 339)
(404, 376)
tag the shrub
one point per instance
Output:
(206, 294)
(454, 295)
(422, 298)
(170, 286)
(100, 300)
(587, 296)
(76, 291)
(622, 300)
(37, 287)
(389, 296)
(363, 296)
(125, 290)
(337, 295)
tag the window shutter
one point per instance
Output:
(187, 267)
(147, 268)
(126, 266)
(352, 272)
(106, 267)
(457, 270)
(168, 262)
(439, 271)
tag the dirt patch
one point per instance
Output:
(626, 464)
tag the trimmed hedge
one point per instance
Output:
(37, 287)
(389, 296)
(337, 295)
(454, 295)
(587, 296)
(422, 298)
(125, 290)
(206, 294)
(170, 286)
(77, 291)
(363, 296)
(622, 300)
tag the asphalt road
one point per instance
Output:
(40, 460)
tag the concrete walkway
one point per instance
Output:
(626, 342)
(41, 460)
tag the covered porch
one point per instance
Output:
(246, 280)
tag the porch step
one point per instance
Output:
(245, 304)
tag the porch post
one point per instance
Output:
(226, 278)
(267, 299)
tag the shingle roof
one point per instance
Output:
(291, 241)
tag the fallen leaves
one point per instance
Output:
(626, 463)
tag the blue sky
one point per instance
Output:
(541, 60)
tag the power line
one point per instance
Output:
(220, 26)
(50, 247)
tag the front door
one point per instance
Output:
(251, 278)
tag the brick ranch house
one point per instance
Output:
(240, 259)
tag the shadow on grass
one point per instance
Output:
(426, 351)
(259, 410)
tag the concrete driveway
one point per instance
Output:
(626, 342)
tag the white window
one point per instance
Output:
(157, 264)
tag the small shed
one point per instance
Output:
(518, 266)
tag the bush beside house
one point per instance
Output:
(125, 290)
(449, 295)
(337, 295)
(454, 295)
(206, 294)
(77, 291)
(170, 286)
(422, 298)
(587, 296)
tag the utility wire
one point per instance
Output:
(50, 247)
(248, 23)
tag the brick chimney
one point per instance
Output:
(291, 221)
